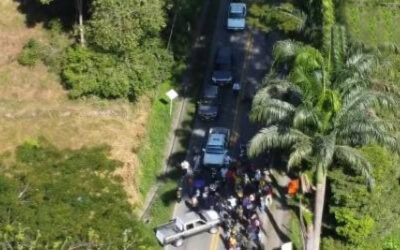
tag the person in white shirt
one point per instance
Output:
(185, 165)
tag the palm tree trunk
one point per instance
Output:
(310, 237)
(319, 207)
(79, 7)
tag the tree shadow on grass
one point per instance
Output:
(168, 197)
(61, 10)
(163, 101)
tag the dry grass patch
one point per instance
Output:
(33, 103)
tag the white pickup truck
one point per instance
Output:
(187, 225)
(216, 150)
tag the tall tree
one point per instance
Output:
(79, 9)
(331, 120)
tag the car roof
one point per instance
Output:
(210, 91)
(189, 217)
(210, 214)
(223, 55)
(216, 140)
(237, 7)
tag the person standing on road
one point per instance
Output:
(185, 165)
(236, 88)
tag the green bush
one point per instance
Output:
(87, 72)
(30, 54)
(364, 217)
(71, 197)
(284, 17)
(54, 52)
(295, 233)
(352, 227)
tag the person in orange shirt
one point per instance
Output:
(293, 187)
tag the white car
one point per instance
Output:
(237, 16)
(216, 150)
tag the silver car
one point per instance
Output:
(187, 225)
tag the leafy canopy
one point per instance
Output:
(68, 196)
(363, 217)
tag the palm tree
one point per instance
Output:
(335, 115)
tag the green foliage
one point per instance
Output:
(31, 53)
(284, 17)
(329, 243)
(328, 17)
(53, 197)
(327, 123)
(130, 30)
(352, 227)
(363, 217)
(372, 23)
(152, 151)
(125, 54)
(89, 73)
(295, 233)
(54, 52)
(51, 53)
(122, 27)
(184, 17)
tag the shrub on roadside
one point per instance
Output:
(87, 72)
(31, 53)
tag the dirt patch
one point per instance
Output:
(33, 103)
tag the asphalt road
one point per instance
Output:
(252, 53)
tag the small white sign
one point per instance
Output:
(287, 246)
(172, 94)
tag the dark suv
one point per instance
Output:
(208, 106)
(222, 74)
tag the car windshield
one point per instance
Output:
(236, 15)
(214, 150)
(207, 101)
(222, 66)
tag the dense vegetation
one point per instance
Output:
(334, 115)
(109, 49)
(119, 48)
(66, 198)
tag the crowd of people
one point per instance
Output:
(238, 192)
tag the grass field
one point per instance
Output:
(371, 24)
(33, 104)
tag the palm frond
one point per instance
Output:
(274, 137)
(300, 151)
(348, 81)
(344, 41)
(353, 158)
(271, 111)
(285, 50)
(305, 118)
(309, 84)
(361, 63)
(362, 99)
(310, 58)
(337, 51)
(296, 16)
(362, 129)
(324, 146)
